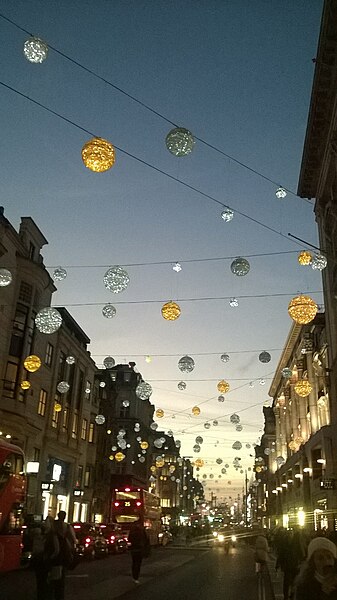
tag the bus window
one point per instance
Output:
(13, 524)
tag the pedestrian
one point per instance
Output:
(67, 542)
(290, 549)
(261, 551)
(45, 549)
(318, 576)
(140, 548)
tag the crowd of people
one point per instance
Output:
(309, 566)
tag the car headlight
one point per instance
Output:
(215, 533)
(233, 538)
(221, 537)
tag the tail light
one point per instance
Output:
(116, 503)
(112, 538)
(87, 540)
(138, 503)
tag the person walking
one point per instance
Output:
(140, 548)
(67, 542)
(318, 576)
(45, 549)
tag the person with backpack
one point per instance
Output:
(140, 548)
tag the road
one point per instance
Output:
(171, 573)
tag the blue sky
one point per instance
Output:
(238, 75)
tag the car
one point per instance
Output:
(91, 542)
(225, 538)
(117, 541)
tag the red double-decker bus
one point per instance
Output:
(12, 498)
(132, 504)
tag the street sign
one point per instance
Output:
(328, 484)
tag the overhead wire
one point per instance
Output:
(150, 109)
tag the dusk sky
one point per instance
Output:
(238, 75)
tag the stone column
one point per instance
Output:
(313, 394)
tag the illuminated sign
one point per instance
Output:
(46, 486)
(328, 484)
(78, 492)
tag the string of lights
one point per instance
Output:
(194, 353)
(153, 167)
(151, 109)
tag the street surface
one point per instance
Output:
(171, 573)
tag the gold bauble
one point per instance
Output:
(171, 311)
(172, 468)
(144, 445)
(199, 462)
(302, 309)
(292, 445)
(299, 440)
(160, 462)
(303, 388)
(196, 411)
(57, 407)
(153, 469)
(111, 457)
(119, 456)
(98, 155)
(305, 258)
(159, 413)
(223, 386)
(25, 385)
(32, 363)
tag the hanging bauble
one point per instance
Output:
(154, 426)
(48, 320)
(109, 311)
(223, 386)
(5, 277)
(234, 418)
(280, 193)
(171, 311)
(207, 425)
(237, 445)
(219, 461)
(32, 363)
(199, 439)
(177, 267)
(196, 411)
(319, 262)
(119, 456)
(239, 427)
(240, 266)
(143, 390)
(109, 362)
(57, 407)
(304, 258)
(302, 309)
(160, 462)
(280, 461)
(126, 403)
(70, 360)
(98, 155)
(141, 459)
(148, 359)
(224, 358)
(299, 440)
(116, 279)
(262, 381)
(25, 385)
(266, 451)
(159, 414)
(144, 445)
(227, 214)
(186, 364)
(180, 141)
(233, 302)
(100, 419)
(63, 387)
(264, 357)
(221, 398)
(286, 373)
(215, 423)
(59, 274)
(158, 443)
(177, 443)
(169, 433)
(199, 462)
(303, 388)
(196, 448)
(35, 50)
(181, 385)
(292, 445)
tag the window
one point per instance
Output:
(19, 326)
(87, 390)
(80, 379)
(65, 419)
(91, 433)
(10, 379)
(74, 426)
(31, 251)
(55, 418)
(84, 429)
(26, 291)
(79, 477)
(124, 411)
(36, 454)
(87, 477)
(48, 359)
(41, 409)
(62, 365)
(165, 502)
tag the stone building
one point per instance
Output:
(57, 432)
